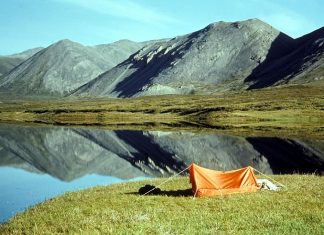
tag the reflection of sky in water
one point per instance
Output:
(20, 189)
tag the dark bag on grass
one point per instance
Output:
(149, 189)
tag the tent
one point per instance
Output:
(207, 182)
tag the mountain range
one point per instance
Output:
(224, 56)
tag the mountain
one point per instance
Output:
(304, 64)
(64, 66)
(119, 51)
(70, 153)
(221, 57)
(7, 63)
(216, 58)
(27, 53)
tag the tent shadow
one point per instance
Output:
(170, 193)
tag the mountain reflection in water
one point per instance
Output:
(70, 154)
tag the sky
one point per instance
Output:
(28, 24)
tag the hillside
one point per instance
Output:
(7, 63)
(119, 51)
(222, 57)
(64, 66)
(216, 58)
(304, 64)
(26, 54)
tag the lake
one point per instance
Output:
(38, 163)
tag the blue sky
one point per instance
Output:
(31, 23)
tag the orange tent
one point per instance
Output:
(206, 182)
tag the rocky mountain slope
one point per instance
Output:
(119, 51)
(216, 58)
(7, 63)
(64, 66)
(223, 56)
(26, 54)
(304, 64)
(68, 154)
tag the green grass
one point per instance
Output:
(118, 209)
(295, 111)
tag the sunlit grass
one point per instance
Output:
(118, 209)
(294, 111)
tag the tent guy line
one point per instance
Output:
(168, 179)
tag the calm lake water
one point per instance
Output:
(37, 163)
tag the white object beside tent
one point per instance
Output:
(267, 184)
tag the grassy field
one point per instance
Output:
(118, 209)
(286, 111)
(296, 111)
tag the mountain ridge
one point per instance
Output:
(62, 67)
(222, 57)
(8, 62)
(306, 59)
